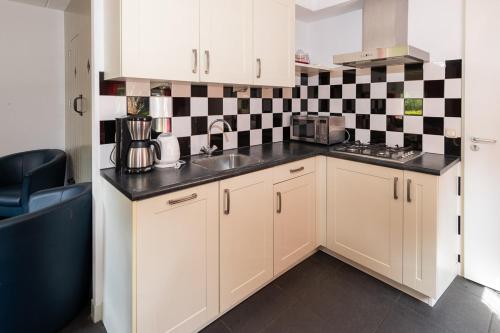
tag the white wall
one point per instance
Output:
(31, 78)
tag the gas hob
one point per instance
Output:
(378, 151)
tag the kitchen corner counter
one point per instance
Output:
(162, 181)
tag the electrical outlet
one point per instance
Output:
(450, 133)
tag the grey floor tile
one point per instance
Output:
(216, 327)
(408, 321)
(83, 324)
(469, 286)
(298, 319)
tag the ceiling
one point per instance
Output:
(53, 4)
(312, 10)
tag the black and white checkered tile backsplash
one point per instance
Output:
(398, 105)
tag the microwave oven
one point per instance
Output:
(325, 130)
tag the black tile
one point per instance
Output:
(267, 135)
(453, 146)
(414, 72)
(181, 106)
(395, 89)
(199, 90)
(199, 125)
(349, 76)
(453, 69)
(377, 137)
(255, 121)
(243, 139)
(110, 87)
(395, 123)
(256, 92)
(287, 105)
(352, 134)
(324, 105)
(243, 105)
(286, 133)
(215, 106)
(278, 120)
(405, 320)
(363, 121)
(453, 107)
(138, 106)
(378, 106)
(304, 106)
(216, 327)
(267, 105)
(336, 91)
(413, 140)
(379, 74)
(312, 113)
(349, 106)
(298, 318)
(277, 92)
(185, 145)
(312, 92)
(363, 90)
(233, 121)
(434, 125)
(296, 92)
(107, 129)
(218, 140)
(434, 89)
(304, 79)
(324, 78)
(229, 93)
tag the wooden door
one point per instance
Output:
(365, 215)
(274, 42)
(177, 267)
(294, 221)
(246, 236)
(226, 41)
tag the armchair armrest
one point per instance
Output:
(48, 175)
(11, 170)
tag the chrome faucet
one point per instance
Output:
(208, 149)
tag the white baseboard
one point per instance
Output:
(96, 312)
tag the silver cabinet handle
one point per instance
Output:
(396, 180)
(75, 105)
(207, 57)
(195, 61)
(259, 68)
(278, 210)
(408, 190)
(227, 202)
(181, 200)
(479, 140)
(297, 170)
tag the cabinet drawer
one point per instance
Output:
(293, 170)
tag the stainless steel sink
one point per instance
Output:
(225, 162)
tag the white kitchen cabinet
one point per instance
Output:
(294, 221)
(274, 42)
(246, 236)
(365, 215)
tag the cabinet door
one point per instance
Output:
(226, 41)
(246, 236)
(420, 233)
(365, 215)
(274, 42)
(294, 221)
(160, 39)
(177, 271)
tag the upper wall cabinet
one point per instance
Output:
(246, 42)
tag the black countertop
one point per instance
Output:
(162, 181)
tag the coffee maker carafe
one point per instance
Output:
(140, 156)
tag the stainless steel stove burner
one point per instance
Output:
(378, 151)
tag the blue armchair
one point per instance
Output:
(46, 261)
(25, 173)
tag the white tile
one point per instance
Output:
(395, 73)
(363, 106)
(414, 89)
(434, 71)
(336, 79)
(395, 106)
(349, 91)
(395, 139)
(138, 87)
(243, 122)
(378, 90)
(303, 92)
(350, 120)
(181, 126)
(314, 80)
(277, 134)
(267, 120)
(335, 106)
(230, 106)
(453, 125)
(111, 107)
(277, 105)
(255, 137)
(312, 105)
(363, 135)
(378, 122)
(413, 125)
(324, 92)
(230, 140)
(105, 154)
(324, 114)
(453, 88)
(363, 78)
(160, 107)
(199, 106)
(295, 105)
(287, 119)
(434, 107)
(433, 144)
(198, 141)
(297, 79)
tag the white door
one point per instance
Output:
(274, 42)
(365, 215)
(294, 221)
(246, 236)
(226, 41)
(482, 158)
(160, 39)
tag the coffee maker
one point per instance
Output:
(133, 146)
